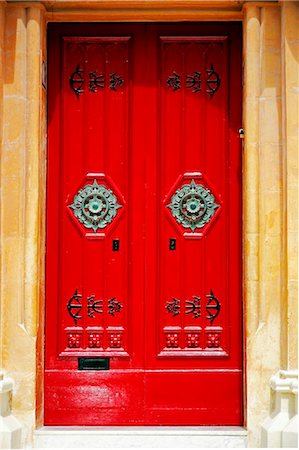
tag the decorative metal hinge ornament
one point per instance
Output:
(213, 81)
(173, 307)
(193, 307)
(95, 206)
(94, 306)
(193, 206)
(114, 306)
(115, 81)
(174, 81)
(76, 81)
(74, 306)
(212, 305)
(194, 82)
(96, 81)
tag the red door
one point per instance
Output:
(143, 307)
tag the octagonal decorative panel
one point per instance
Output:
(96, 204)
(192, 204)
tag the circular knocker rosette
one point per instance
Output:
(193, 205)
(95, 206)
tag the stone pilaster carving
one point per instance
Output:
(10, 427)
(280, 429)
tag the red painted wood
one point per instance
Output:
(144, 140)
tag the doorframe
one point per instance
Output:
(260, 22)
(233, 31)
(157, 17)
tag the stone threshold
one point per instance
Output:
(140, 437)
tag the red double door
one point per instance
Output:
(143, 288)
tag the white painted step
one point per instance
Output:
(140, 437)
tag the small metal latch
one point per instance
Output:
(172, 244)
(241, 133)
(44, 75)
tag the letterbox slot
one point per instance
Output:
(93, 364)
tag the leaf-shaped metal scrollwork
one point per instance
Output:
(115, 81)
(173, 307)
(193, 307)
(114, 306)
(96, 81)
(174, 81)
(95, 206)
(194, 82)
(94, 306)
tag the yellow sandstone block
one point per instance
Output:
(271, 75)
(13, 198)
(270, 160)
(270, 118)
(292, 255)
(270, 213)
(251, 249)
(11, 254)
(14, 119)
(252, 124)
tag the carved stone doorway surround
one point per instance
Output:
(270, 185)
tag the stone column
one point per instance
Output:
(2, 24)
(10, 428)
(280, 429)
(271, 211)
(22, 175)
(290, 118)
(263, 207)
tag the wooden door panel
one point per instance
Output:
(95, 148)
(144, 225)
(195, 124)
(158, 398)
(200, 115)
